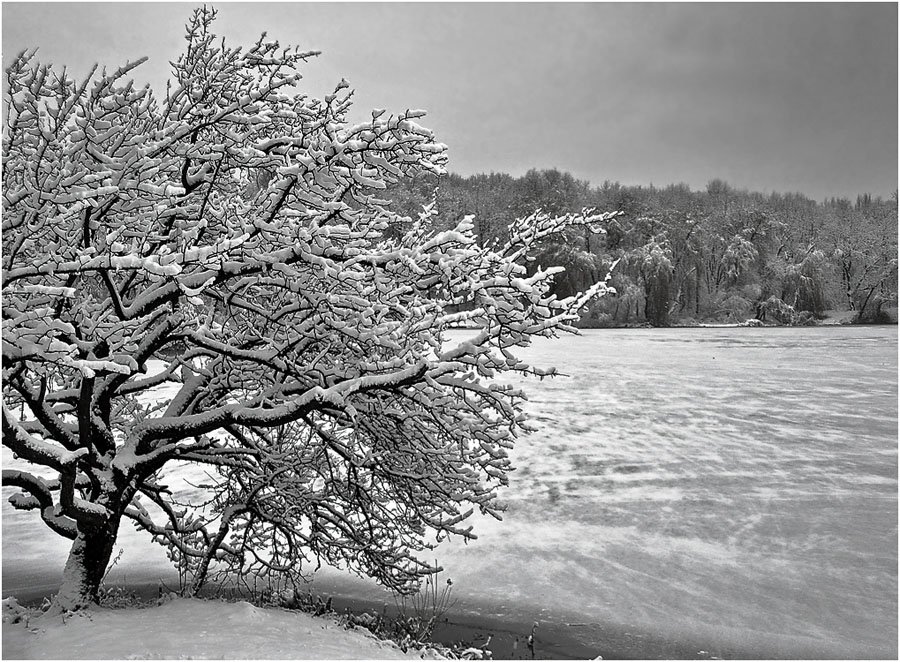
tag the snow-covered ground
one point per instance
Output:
(838, 317)
(191, 629)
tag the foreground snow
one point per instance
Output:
(184, 628)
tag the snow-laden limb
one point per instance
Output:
(36, 494)
(34, 449)
(209, 277)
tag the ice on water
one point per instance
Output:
(706, 480)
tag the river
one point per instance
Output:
(733, 488)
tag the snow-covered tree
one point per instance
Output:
(653, 262)
(205, 277)
(862, 245)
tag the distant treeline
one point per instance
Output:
(685, 257)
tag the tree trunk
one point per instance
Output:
(862, 309)
(697, 292)
(848, 283)
(203, 569)
(88, 558)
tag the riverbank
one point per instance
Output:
(214, 628)
(573, 636)
(828, 318)
(189, 628)
(500, 638)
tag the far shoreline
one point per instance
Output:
(832, 318)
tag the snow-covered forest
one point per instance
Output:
(684, 256)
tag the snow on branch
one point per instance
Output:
(208, 276)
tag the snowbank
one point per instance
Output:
(835, 317)
(185, 628)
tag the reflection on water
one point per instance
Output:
(740, 483)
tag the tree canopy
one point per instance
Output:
(214, 276)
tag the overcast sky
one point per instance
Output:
(770, 97)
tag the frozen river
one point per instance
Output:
(733, 487)
(736, 486)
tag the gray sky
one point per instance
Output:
(771, 97)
